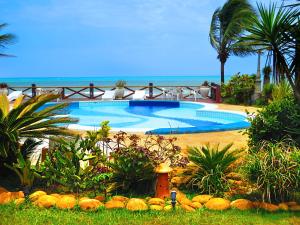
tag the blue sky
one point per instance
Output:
(113, 37)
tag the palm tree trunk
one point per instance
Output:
(274, 69)
(222, 72)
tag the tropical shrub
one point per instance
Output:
(212, 166)
(134, 160)
(239, 89)
(63, 165)
(25, 120)
(79, 164)
(282, 90)
(273, 122)
(275, 170)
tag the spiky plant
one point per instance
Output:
(26, 119)
(227, 25)
(212, 166)
(277, 30)
(23, 167)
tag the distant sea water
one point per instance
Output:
(110, 80)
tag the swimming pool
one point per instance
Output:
(157, 117)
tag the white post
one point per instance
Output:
(257, 91)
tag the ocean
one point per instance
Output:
(110, 80)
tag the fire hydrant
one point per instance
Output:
(162, 185)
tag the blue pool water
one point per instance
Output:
(159, 117)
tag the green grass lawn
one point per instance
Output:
(29, 214)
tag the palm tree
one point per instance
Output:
(5, 39)
(28, 120)
(278, 30)
(227, 25)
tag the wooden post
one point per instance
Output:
(150, 90)
(63, 93)
(91, 90)
(218, 94)
(33, 89)
(44, 153)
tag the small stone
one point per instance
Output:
(90, 204)
(187, 208)
(283, 206)
(202, 198)
(156, 207)
(2, 189)
(168, 208)
(186, 201)
(295, 208)
(136, 204)
(7, 197)
(83, 198)
(120, 198)
(217, 204)
(46, 201)
(242, 204)
(56, 195)
(269, 207)
(196, 205)
(256, 204)
(66, 202)
(156, 201)
(291, 203)
(19, 201)
(34, 196)
(100, 198)
(114, 204)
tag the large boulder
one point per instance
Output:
(156, 201)
(66, 202)
(46, 201)
(202, 198)
(7, 197)
(90, 204)
(114, 204)
(136, 204)
(242, 204)
(35, 195)
(120, 198)
(217, 204)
